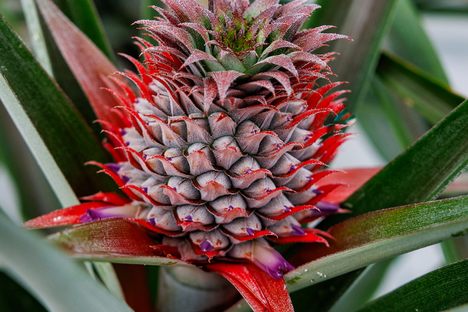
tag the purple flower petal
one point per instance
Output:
(270, 260)
(327, 207)
(114, 167)
(297, 230)
(206, 246)
(96, 214)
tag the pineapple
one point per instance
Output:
(226, 130)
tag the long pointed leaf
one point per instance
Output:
(89, 65)
(37, 36)
(408, 39)
(23, 169)
(59, 139)
(84, 14)
(363, 288)
(56, 134)
(112, 240)
(53, 278)
(418, 174)
(390, 125)
(423, 171)
(439, 290)
(429, 97)
(379, 235)
(47, 54)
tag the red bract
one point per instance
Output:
(221, 150)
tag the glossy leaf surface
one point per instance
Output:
(381, 234)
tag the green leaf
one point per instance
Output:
(422, 171)
(379, 235)
(37, 35)
(439, 290)
(84, 15)
(417, 89)
(357, 60)
(59, 139)
(419, 174)
(89, 65)
(47, 54)
(408, 39)
(49, 275)
(109, 277)
(363, 287)
(390, 125)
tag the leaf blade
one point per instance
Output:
(430, 98)
(422, 171)
(382, 234)
(418, 174)
(47, 273)
(113, 240)
(408, 39)
(84, 15)
(88, 64)
(34, 100)
(423, 293)
(385, 233)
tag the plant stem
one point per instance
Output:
(193, 290)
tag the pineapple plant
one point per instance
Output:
(220, 143)
(234, 122)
